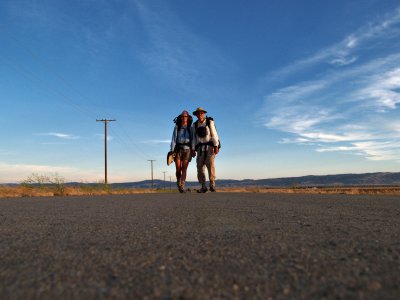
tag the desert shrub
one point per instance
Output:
(53, 182)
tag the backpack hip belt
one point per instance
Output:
(200, 145)
(180, 146)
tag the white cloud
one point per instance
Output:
(60, 135)
(351, 41)
(294, 93)
(155, 142)
(338, 148)
(344, 53)
(353, 109)
(11, 173)
(382, 90)
(380, 150)
(301, 140)
(14, 173)
(343, 60)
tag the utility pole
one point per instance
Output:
(164, 178)
(105, 121)
(152, 180)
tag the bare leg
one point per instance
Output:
(185, 164)
(178, 169)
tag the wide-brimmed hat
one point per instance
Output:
(199, 109)
(170, 157)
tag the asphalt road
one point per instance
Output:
(200, 246)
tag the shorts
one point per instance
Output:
(183, 154)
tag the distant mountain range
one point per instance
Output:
(367, 179)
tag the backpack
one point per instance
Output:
(178, 121)
(208, 119)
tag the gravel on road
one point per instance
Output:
(200, 246)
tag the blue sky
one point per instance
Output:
(295, 87)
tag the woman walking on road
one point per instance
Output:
(180, 145)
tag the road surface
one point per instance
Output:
(200, 246)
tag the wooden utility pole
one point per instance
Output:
(164, 177)
(105, 121)
(152, 180)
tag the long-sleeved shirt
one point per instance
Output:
(181, 137)
(211, 134)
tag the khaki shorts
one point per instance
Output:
(183, 154)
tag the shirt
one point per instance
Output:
(181, 137)
(211, 136)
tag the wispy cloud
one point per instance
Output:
(174, 51)
(349, 50)
(155, 142)
(60, 135)
(354, 107)
(14, 173)
(381, 90)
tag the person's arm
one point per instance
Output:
(193, 141)
(173, 141)
(214, 134)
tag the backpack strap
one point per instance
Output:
(208, 119)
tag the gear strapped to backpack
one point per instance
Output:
(201, 131)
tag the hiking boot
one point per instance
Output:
(212, 189)
(182, 189)
(202, 190)
(179, 185)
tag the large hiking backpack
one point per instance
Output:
(199, 130)
(178, 121)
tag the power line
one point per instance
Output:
(125, 140)
(123, 137)
(44, 64)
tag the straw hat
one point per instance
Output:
(170, 157)
(199, 109)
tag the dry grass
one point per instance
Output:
(319, 190)
(85, 190)
(29, 191)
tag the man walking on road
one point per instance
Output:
(206, 143)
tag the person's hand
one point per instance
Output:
(193, 153)
(216, 150)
